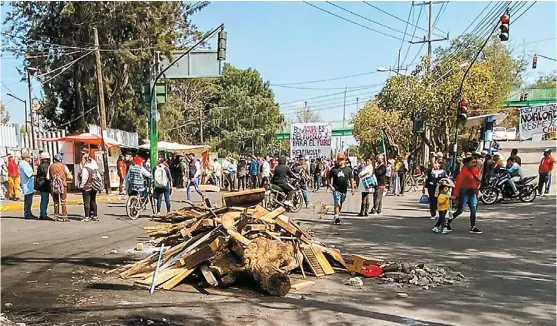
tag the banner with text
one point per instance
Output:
(538, 120)
(311, 139)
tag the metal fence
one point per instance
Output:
(12, 139)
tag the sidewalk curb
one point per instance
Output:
(18, 206)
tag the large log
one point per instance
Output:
(268, 261)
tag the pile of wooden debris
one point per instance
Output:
(241, 237)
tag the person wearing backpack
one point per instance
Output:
(90, 184)
(42, 184)
(163, 185)
(59, 174)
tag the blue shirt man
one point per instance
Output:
(27, 180)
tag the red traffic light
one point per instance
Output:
(464, 102)
(505, 19)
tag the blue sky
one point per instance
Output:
(289, 42)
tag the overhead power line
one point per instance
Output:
(404, 36)
(325, 80)
(66, 67)
(329, 100)
(402, 20)
(324, 88)
(351, 21)
(413, 33)
(323, 96)
(365, 18)
(515, 19)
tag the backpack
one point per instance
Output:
(96, 180)
(161, 179)
(57, 185)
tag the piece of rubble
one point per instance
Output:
(113, 251)
(402, 295)
(354, 281)
(8, 305)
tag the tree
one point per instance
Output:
(433, 95)
(372, 123)
(243, 114)
(56, 38)
(4, 115)
(305, 114)
(547, 81)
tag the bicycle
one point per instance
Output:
(137, 203)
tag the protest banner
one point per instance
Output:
(538, 120)
(311, 139)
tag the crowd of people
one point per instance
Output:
(375, 177)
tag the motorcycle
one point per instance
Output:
(499, 189)
(275, 198)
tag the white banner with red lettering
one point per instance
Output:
(537, 120)
(311, 139)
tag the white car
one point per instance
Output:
(499, 133)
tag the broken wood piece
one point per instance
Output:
(229, 224)
(208, 275)
(208, 222)
(259, 211)
(356, 262)
(327, 268)
(301, 285)
(177, 279)
(256, 227)
(163, 276)
(244, 198)
(270, 217)
(335, 255)
(283, 223)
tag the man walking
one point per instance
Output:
(194, 175)
(546, 167)
(317, 179)
(253, 169)
(341, 177)
(27, 184)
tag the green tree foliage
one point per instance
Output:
(53, 36)
(4, 115)
(243, 113)
(371, 123)
(547, 81)
(304, 115)
(433, 95)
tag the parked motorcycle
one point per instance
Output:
(275, 198)
(499, 189)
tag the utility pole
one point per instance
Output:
(30, 111)
(343, 120)
(102, 111)
(429, 40)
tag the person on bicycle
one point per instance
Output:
(138, 178)
(300, 168)
(280, 180)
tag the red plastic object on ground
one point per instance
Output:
(371, 271)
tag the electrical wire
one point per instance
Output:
(68, 66)
(404, 36)
(321, 96)
(76, 118)
(365, 18)
(327, 101)
(324, 80)
(336, 106)
(402, 20)
(63, 66)
(351, 21)
(413, 33)
(538, 41)
(9, 90)
(324, 88)
(515, 19)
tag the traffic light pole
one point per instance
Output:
(459, 94)
(155, 76)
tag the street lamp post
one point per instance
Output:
(30, 109)
(384, 69)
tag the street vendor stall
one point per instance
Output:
(93, 142)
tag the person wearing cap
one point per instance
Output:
(42, 184)
(27, 181)
(59, 174)
(547, 164)
(341, 177)
(253, 170)
(137, 177)
(13, 178)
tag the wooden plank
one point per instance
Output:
(335, 255)
(245, 198)
(270, 217)
(259, 211)
(283, 223)
(162, 276)
(207, 188)
(301, 285)
(208, 222)
(313, 263)
(208, 275)
(256, 227)
(327, 268)
(200, 254)
(177, 279)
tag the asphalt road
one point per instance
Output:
(51, 272)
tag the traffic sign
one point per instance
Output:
(35, 105)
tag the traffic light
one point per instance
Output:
(525, 99)
(505, 19)
(534, 61)
(521, 96)
(463, 110)
(221, 46)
